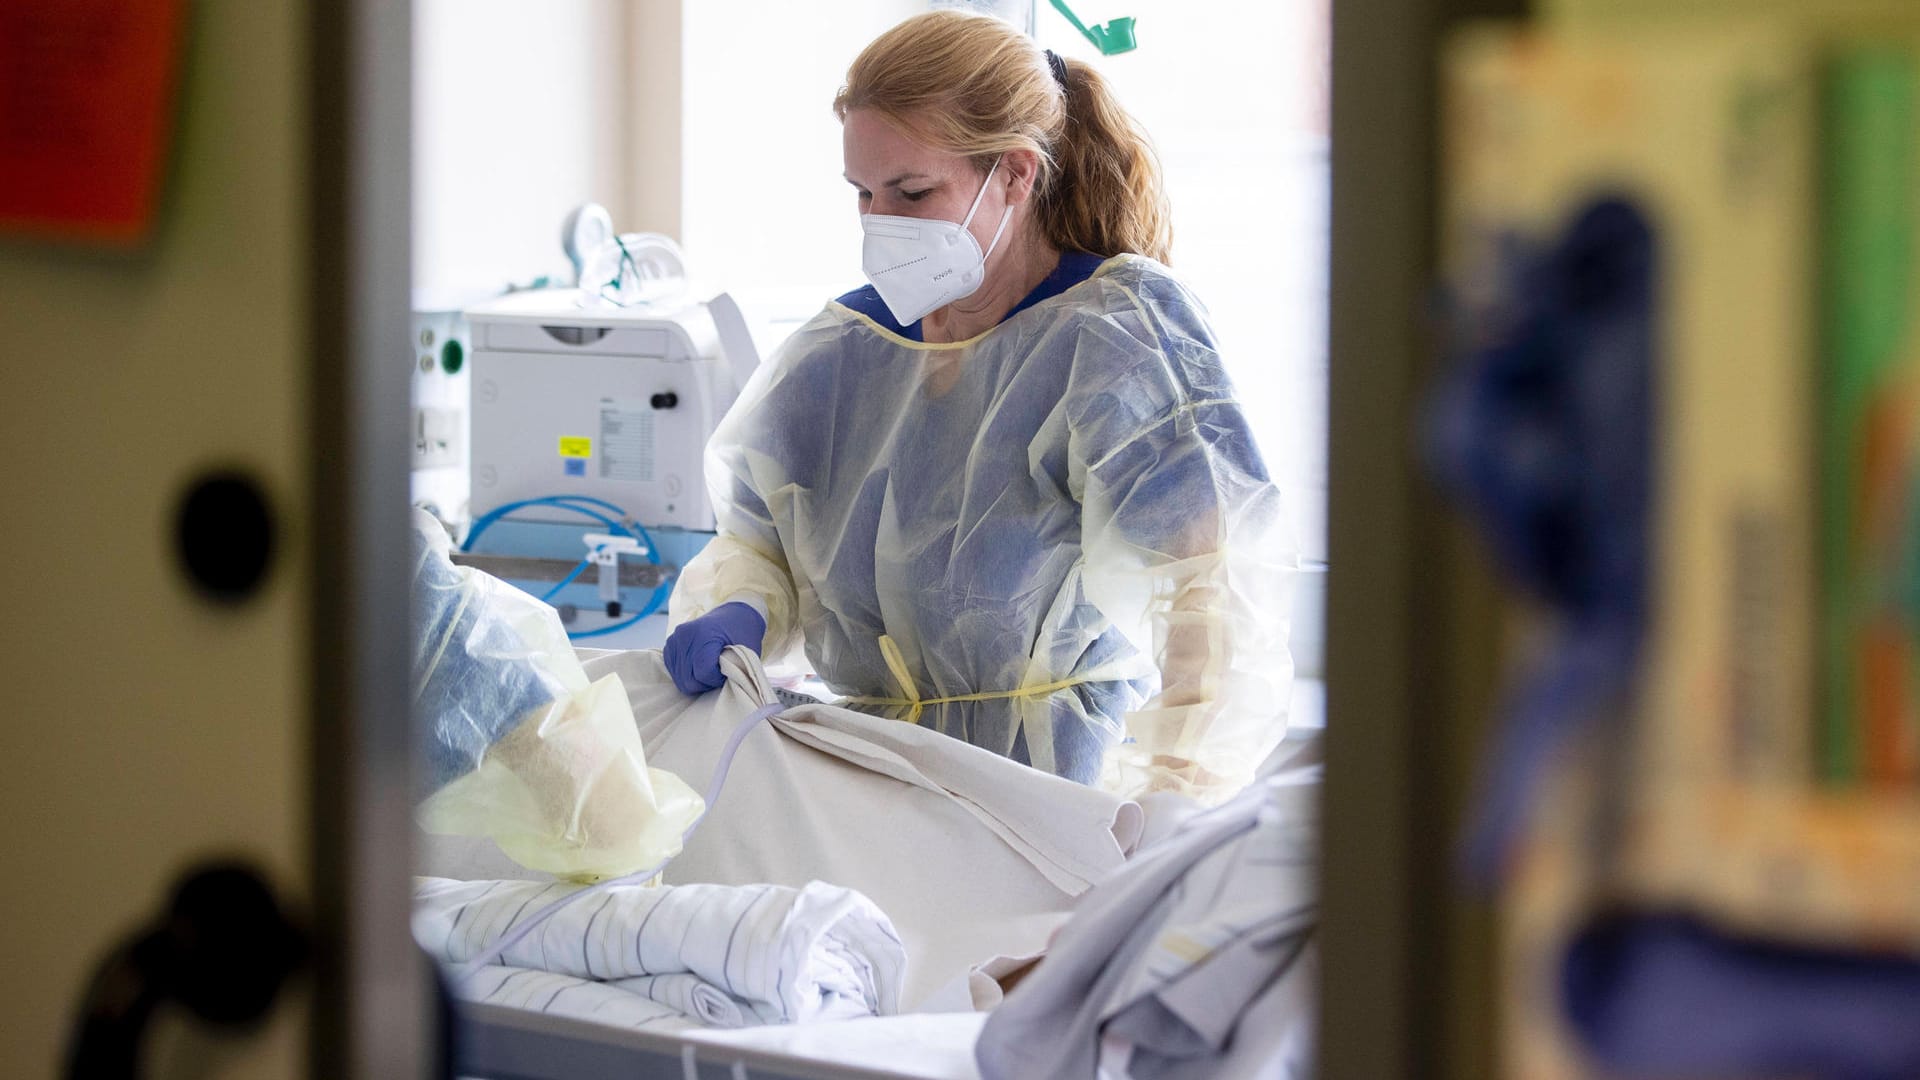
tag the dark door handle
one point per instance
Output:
(222, 949)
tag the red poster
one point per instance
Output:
(86, 115)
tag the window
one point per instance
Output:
(1234, 94)
(1242, 138)
(765, 208)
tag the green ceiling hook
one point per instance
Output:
(1111, 39)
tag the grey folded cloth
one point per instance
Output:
(1197, 960)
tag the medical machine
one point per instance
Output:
(589, 424)
(611, 403)
(440, 346)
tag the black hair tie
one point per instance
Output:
(1059, 67)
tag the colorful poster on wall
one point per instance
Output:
(86, 115)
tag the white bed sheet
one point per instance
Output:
(973, 857)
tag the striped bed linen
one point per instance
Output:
(670, 957)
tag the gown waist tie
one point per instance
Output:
(915, 704)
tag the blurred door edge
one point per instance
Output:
(1411, 617)
(371, 1000)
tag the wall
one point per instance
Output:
(518, 117)
(766, 209)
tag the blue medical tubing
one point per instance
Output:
(565, 502)
(568, 580)
(519, 933)
(620, 524)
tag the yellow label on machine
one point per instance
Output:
(575, 446)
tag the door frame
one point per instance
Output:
(371, 1001)
(1413, 614)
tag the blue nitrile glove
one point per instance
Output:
(693, 649)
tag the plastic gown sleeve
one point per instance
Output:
(517, 744)
(745, 562)
(1188, 553)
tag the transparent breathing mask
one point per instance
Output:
(633, 270)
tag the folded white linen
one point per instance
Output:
(690, 995)
(774, 954)
(578, 999)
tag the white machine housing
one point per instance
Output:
(439, 359)
(611, 403)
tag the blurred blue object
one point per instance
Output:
(1545, 434)
(1669, 996)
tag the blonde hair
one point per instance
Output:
(973, 85)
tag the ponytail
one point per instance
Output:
(971, 84)
(1106, 195)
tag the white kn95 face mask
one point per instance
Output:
(919, 265)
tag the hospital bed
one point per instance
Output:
(501, 1043)
(496, 1043)
(740, 843)
(1017, 852)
